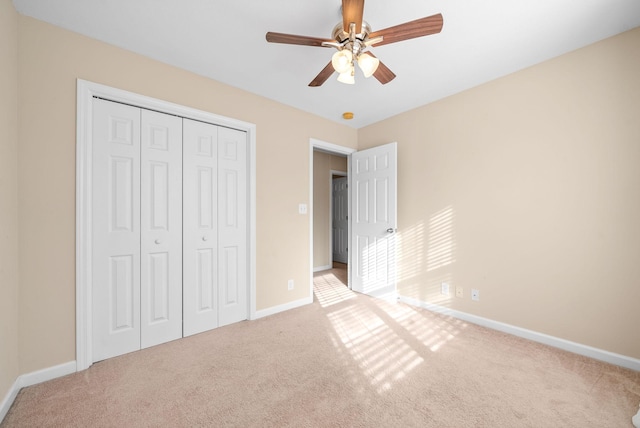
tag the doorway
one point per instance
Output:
(372, 217)
(328, 162)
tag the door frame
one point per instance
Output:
(86, 91)
(323, 146)
(333, 173)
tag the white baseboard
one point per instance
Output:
(34, 378)
(8, 399)
(576, 348)
(321, 268)
(281, 308)
(44, 375)
(388, 293)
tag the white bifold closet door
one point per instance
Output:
(161, 228)
(200, 242)
(169, 228)
(137, 229)
(232, 225)
(215, 224)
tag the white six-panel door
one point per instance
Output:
(373, 202)
(116, 229)
(161, 228)
(200, 227)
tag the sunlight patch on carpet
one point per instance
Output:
(432, 333)
(386, 340)
(382, 355)
(329, 290)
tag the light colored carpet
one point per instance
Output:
(345, 361)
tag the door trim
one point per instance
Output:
(86, 91)
(331, 149)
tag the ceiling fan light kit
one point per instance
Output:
(342, 61)
(347, 77)
(351, 48)
(368, 64)
(352, 37)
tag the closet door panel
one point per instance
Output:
(161, 228)
(232, 225)
(116, 229)
(200, 227)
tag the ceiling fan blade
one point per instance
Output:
(292, 39)
(323, 75)
(352, 11)
(382, 73)
(409, 30)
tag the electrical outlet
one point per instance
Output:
(302, 208)
(475, 294)
(290, 284)
(444, 288)
(459, 292)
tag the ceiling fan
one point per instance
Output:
(353, 36)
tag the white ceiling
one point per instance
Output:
(225, 40)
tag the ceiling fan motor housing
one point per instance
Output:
(356, 43)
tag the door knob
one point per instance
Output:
(204, 238)
(158, 241)
(390, 230)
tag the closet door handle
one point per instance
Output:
(204, 238)
(158, 241)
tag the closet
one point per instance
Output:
(169, 216)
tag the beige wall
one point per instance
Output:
(9, 369)
(51, 59)
(323, 163)
(528, 189)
